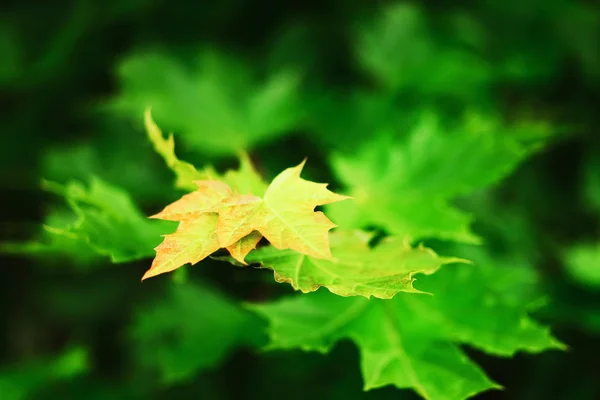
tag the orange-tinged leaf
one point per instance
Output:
(240, 249)
(236, 218)
(285, 216)
(207, 198)
(194, 240)
(216, 216)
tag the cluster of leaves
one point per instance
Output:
(410, 163)
(409, 341)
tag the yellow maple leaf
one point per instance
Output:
(214, 217)
(194, 240)
(285, 216)
(240, 249)
(207, 198)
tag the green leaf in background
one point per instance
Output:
(411, 340)
(48, 245)
(218, 105)
(191, 329)
(24, 381)
(392, 352)
(355, 269)
(396, 47)
(583, 264)
(406, 185)
(122, 157)
(511, 276)
(468, 309)
(398, 50)
(108, 221)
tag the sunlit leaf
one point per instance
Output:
(355, 269)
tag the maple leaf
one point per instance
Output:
(484, 316)
(50, 246)
(194, 240)
(391, 351)
(185, 172)
(207, 198)
(285, 216)
(104, 221)
(406, 185)
(240, 249)
(355, 269)
(243, 180)
(411, 341)
(220, 104)
(423, 66)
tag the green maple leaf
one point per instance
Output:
(411, 341)
(219, 105)
(481, 316)
(108, 156)
(406, 185)
(107, 221)
(193, 328)
(392, 353)
(50, 246)
(395, 47)
(185, 172)
(355, 269)
(243, 180)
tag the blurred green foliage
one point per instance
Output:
(482, 112)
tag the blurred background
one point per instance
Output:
(284, 80)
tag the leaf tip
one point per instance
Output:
(147, 274)
(298, 168)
